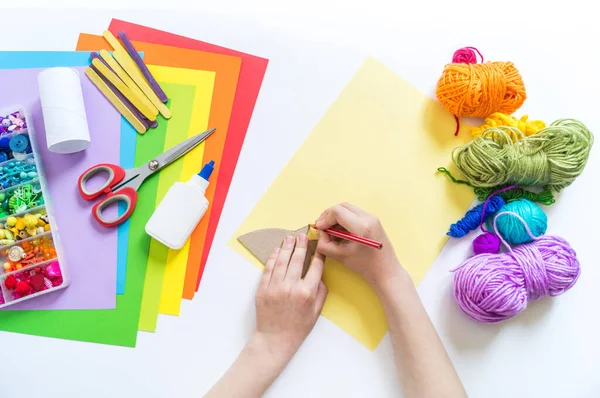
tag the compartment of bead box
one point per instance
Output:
(32, 280)
(27, 224)
(20, 198)
(15, 172)
(29, 242)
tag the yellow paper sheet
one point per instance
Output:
(159, 274)
(174, 278)
(378, 147)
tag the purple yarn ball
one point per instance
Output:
(491, 288)
(486, 243)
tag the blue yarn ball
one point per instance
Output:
(512, 229)
(472, 218)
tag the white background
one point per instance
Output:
(314, 47)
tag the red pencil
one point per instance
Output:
(351, 237)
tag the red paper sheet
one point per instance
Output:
(250, 79)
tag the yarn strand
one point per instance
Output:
(498, 119)
(472, 219)
(545, 197)
(482, 220)
(512, 213)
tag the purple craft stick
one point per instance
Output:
(124, 100)
(153, 124)
(138, 60)
(145, 121)
(98, 57)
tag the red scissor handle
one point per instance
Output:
(115, 176)
(127, 195)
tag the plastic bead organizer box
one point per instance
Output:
(29, 244)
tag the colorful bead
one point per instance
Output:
(18, 143)
(23, 288)
(10, 282)
(19, 155)
(11, 221)
(15, 253)
(30, 221)
(37, 282)
(52, 270)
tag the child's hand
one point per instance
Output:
(287, 306)
(376, 266)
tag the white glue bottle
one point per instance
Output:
(180, 211)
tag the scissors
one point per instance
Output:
(122, 185)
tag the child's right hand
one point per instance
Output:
(378, 267)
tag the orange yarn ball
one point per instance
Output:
(479, 90)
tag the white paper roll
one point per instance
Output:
(64, 111)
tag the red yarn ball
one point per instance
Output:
(10, 282)
(23, 288)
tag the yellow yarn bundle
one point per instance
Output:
(498, 119)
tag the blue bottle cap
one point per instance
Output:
(19, 143)
(207, 170)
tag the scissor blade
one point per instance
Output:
(181, 149)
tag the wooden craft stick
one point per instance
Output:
(112, 40)
(123, 110)
(131, 69)
(123, 89)
(120, 54)
(142, 67)
(114, 65)
(124, 100)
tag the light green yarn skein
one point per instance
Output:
(512, 229)
(552, 158)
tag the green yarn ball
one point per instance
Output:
(552, 158)
(512, 229)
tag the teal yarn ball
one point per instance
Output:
(512, 229)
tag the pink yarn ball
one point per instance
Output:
(465, 55)
(486, 243)
(490, 288)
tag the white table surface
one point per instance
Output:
(314, 47)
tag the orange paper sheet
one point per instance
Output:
(227, 70)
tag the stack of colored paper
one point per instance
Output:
(130, 278)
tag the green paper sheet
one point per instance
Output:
(157, 257)
(118, 326)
